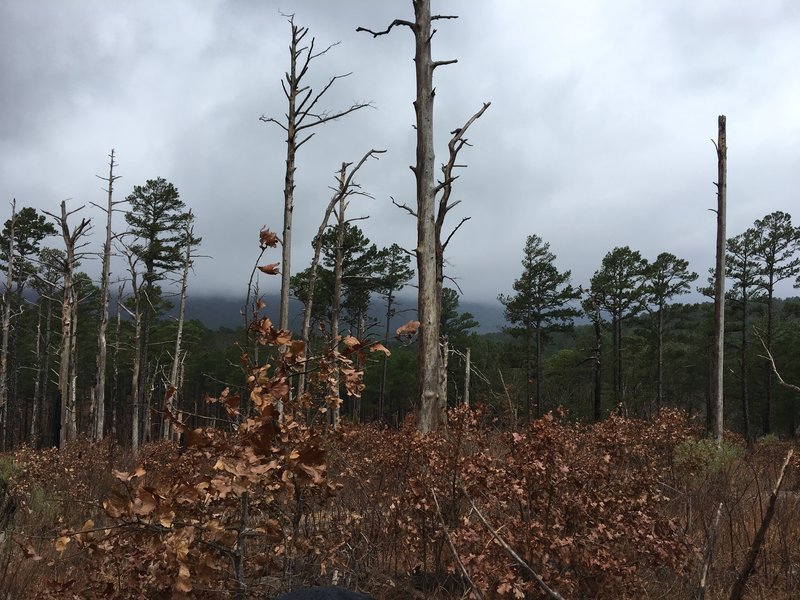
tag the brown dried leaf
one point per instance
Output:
(267, 238)
(270, 269)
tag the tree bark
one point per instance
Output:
(719, 286)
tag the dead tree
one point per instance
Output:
(719, 286)
(69, 323)
(303, 115)
(430, 248)
(7, 327)
(137, 316)
(97, 394)
(345, 187)
(177, 359)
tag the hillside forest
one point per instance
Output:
(573, 454)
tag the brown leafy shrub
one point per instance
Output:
(583, 505)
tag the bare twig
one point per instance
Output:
(450, 543)
(525, 566)
(774, 368)
(738, 589)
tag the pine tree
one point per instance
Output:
(668, 276)
(156, 220)
(619, 287)
(542, 303)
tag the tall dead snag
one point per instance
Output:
(69, 323)
(97, 395)
(345, 187)
(7, 327)
(303, 114)
(719, 286)
(136, 314)
(430, 248)
(177, 361)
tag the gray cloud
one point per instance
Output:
(598, 135)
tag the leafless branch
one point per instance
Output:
(453, 550)
(547, 590)
(772, 362)
(455, 145)
(447, 241)
(405, 207)
(395, 23)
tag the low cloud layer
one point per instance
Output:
(598, 134)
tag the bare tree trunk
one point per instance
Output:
(719, 286)
(538, 369)
(467, 373)
(69, 307)
(176, 358)
(430, 247)
(429, 298)
(345, 187)
(97, 397)
(115, 403)
(660, 359)
(768, 390)
(34, 430)
(444, 348)
(336, 307)
(748, 436)
(302, 114)
(385, 371)
(4, 413)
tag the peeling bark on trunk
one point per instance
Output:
(467, 373)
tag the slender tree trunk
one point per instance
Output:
(768, 407)
(48, 336)
(72, 414)
(115, 402)
(660, 358)
(528, 369)
(98, 392)
(615, 361)
(444, 348)
(135, 379)
(4, 412)
(748, 436)
(719, 285)
(385, 371)
(36, 401)
(176, 359)
(538, 369)
(312, 273)
(467, 373)
(336, 308)
(288, 190)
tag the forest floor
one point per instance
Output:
(619, 509)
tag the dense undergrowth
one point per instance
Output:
(620, 509)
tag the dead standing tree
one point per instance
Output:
(717, 402)
(97, 398)
(430, 221)
(303, 114)
(67, 379)
(345, 187)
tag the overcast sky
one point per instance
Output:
(599, 133)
